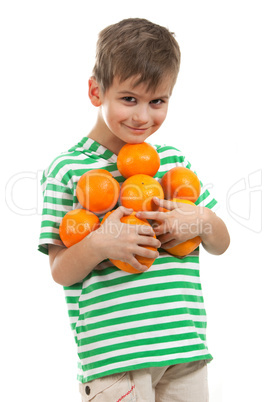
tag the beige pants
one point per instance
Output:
(180, 383)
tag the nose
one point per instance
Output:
(140, 115)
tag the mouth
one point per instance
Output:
(138, 130)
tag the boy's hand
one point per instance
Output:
(185, 221)
(120, 241)
(182, 222)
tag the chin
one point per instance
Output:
(137, 139)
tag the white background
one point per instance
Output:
(218, 111)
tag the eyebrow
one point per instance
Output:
(136, 95)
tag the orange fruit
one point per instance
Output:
(188, 246)
(185, 248)
(137, 192)
(181, 182)
(77, 224)
(138, 158)
(124, 266)
(97, 191)
(106, 216)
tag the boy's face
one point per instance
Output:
(131, 113)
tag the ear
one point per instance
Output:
(94, 92)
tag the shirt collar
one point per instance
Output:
(88, 144)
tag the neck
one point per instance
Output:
(102, 134)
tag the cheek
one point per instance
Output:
(160, 117)
(114, 115)
(108, 116)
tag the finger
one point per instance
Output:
(170, 205)
(166, 238)
(146, 252)
(161, 229)
(145, 230)
(149, 241)
(170, 244)
(119, 213)
(136, 265)
(155, 215)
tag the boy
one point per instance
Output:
(139, 337)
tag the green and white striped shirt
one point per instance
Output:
(125, 321)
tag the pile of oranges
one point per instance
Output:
(98, 192)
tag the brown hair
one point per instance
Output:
(136, 47)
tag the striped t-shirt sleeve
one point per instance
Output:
(57, 201)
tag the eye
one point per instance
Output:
(129, 99)
(157, 102)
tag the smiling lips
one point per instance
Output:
(138, 129)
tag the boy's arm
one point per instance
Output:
(184, 221)
(113, 239)
(71, 265)
(217, 239)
